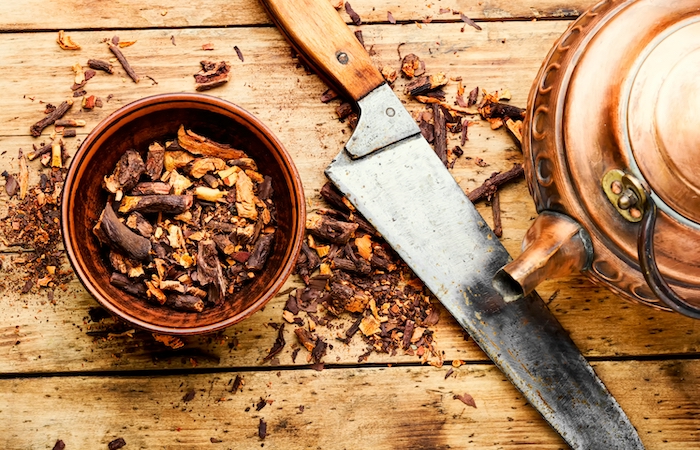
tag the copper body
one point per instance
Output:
(136, 126)
(619, 91)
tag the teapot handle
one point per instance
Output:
(647, 260)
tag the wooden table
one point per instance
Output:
(61, 381)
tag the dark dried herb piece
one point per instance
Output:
(184, 302)
(465, 127)
(496, 210)
(50, 118)
(213, 74)
(114, 48)
(189, 396)
(440, 142)
(110, 231)
(237, 384)
(353, 15)
(328, 95)
(260, 253)
(466, 399)
(124, 283)
(278, 345)
(473, 97)
(496, 180)
(492, 109)
(98, 64)
(358, 35)
(426, 84)
(330, 229)
(469, 22)
(238, 53)
(11, 184)
(116, 444)
(262, 429)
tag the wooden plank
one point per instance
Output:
(120, 14)
(378, 408)
(44, 337)
(283, 92)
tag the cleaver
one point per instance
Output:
(395, 179)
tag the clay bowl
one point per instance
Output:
(137, 125)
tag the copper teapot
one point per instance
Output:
(612, 156)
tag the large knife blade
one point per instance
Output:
(395, 179)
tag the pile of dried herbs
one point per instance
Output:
(186, 228)
(349, 270)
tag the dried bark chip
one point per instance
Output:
(390, 17)
(425, 84)
(410, 64)
(328, 95)
(11, 184)
(237, 384)
(469, 22)
(213, 74)
(238, 53)
(98, 64)
(214, 440)
(261, 404)
(116, 444)
(449, 372)
(189, 396)
(480, 162)
(389, 74)
(360, 38)
(496, 211)
(59, 445)
(262, 429)
(200, 145)
(278, 345)
(473, 97)
(353, 15)
(114, 48)
(466, 399)
(50, 118)
(66, 42)
(208, 46)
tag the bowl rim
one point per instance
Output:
(251, 122)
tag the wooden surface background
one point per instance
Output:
(59, 382)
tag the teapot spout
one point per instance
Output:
(554, 246)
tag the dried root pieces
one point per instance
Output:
(173, 239)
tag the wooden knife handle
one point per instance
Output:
(317, 32)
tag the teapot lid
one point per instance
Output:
(661, 130)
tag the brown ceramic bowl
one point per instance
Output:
(136, 126)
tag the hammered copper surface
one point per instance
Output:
(619, 90)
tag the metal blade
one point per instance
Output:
(405, 191)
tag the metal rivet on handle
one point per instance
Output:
(342, 57)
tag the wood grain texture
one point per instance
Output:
(120, 14)
(41, 337)
(386, 408)
(88, 382)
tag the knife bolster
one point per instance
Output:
(383, 121)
